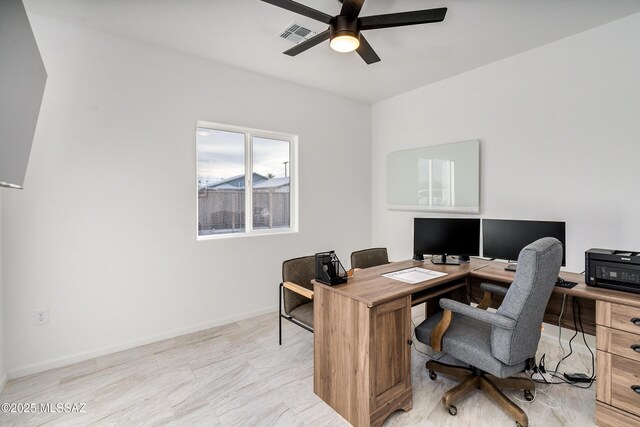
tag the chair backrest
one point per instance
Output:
(300, 271)
(526, 300)
(369, 258)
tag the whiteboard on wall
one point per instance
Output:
(437, 178)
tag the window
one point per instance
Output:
(246, 181)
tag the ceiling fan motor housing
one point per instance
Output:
(343, 26)
(344, 29)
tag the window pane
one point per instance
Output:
(220, 182)
(271, 189)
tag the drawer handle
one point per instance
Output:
(635, 321)
(636, 388)
(636, 348)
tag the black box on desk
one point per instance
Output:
(329, 269)
(612, 269)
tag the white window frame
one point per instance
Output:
(250, 133)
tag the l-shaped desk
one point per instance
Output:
(362, 338)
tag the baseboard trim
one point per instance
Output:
(80, 357)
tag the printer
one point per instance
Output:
(613, 269)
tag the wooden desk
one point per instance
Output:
(493, 271)
(362, 352)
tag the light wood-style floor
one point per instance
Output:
(237, 375)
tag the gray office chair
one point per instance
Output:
(496, 345)
(296, 291)
(369, 258)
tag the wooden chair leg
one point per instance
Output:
(515, 383)
(459, 373)
(461, 390)
(503, 401)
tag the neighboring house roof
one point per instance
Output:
(225, 187)
(229, 182)
(272, 183)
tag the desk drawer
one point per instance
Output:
(618, 342)
(618, 316)
(625, 380)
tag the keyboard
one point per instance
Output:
(561, 283)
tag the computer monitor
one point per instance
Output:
(445, 236)
(505, 238)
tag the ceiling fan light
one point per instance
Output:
(345, 43)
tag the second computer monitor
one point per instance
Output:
(504, 238)
(446, 236)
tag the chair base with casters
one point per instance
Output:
(303, 312)
(473, 378)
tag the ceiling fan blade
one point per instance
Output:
(301, 9)
(402, 19)
(308, 44)
(366, 52)
(351, 8)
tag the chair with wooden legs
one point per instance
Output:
(367, 258)
(495, 345)
(296, 293)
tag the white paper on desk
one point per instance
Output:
(414, 275)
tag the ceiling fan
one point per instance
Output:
(344, 29)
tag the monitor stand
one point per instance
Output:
(418, 257)
(511, 267)
(443, 259)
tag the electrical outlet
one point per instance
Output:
(41, 317)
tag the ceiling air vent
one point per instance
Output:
(296, 33)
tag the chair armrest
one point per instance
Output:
(489, 289)
(490, 317)
(298, 289)
(435, 341)
(494, 289)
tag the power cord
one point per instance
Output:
(472, 299)
(540, 370)
(564, 300)
(575, 334)
(543, 391)
(413, 344)
(554, 374)
(584, 339)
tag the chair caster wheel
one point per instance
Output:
(452, 410)
(433, 375)
(528, 395)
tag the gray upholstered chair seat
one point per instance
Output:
(303, 313)
(473, 349)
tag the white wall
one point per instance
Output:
(3, 372)
(104, 232)
(22, 81)
(560, 135)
